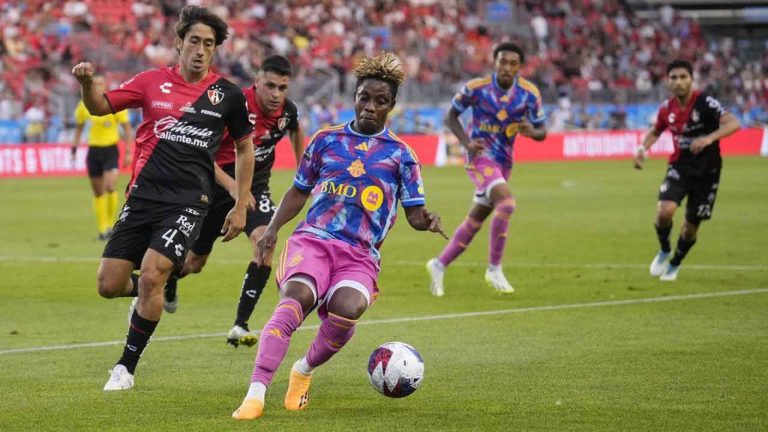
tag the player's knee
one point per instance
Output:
(152, 280)
(505, 208)
(348, 305)
(109, 287)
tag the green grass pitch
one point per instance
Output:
(589, 342)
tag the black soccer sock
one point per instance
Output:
(169, 291)
(683, 246)
(663, 234)
(135, 291)
(253, 285)
(139, 333)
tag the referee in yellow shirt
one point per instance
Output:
(103, 154)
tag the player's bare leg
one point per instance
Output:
(115, 278)
(504, 205)
(296, 302)
(155, 269)
(663, 224)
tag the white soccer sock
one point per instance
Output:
(303, 367)
(257, 390)
(494, 268)
(440, 266)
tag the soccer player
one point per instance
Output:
(102, 158)
(186, 109)
(356, 173)
(503, 104)
(697, 123)
(272, 116)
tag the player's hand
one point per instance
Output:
(266, 245)
(640, 155)
(525, 128)
(700, 143)
(73, 156)
(474, 147)
(127, 160)
(234, 223)
(83, 72)
(250, 202)
(433, 219)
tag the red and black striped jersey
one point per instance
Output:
(182, 128)
(268, 130)
(700, 117)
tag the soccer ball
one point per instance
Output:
(395, 369)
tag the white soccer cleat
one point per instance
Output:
(670, 273)
(436, 274)
(497, 281)
(119, 379)
(659, 263)
(238, 335)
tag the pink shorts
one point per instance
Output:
(325, 266)
(486, 174)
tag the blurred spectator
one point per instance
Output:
(592, 50)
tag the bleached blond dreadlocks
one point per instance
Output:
(383, 67)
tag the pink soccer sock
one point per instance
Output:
(334, 333)
(499, 227)
(460, 240)
(275, 338)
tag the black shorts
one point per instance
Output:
(166, 228)
(100, 159)
(222, 204)
(700, 189)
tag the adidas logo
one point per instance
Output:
(363, 147)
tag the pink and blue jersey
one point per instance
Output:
(496, 113)
(356, 181)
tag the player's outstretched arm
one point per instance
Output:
(96, 103)
(422, 219)
(642, 151)
(290, 206)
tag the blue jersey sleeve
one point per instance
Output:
(535, 110)
(309, 169)
(411, 187)
(464, 99)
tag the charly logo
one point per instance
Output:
(171, 129)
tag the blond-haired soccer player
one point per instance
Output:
(103, 155)
(356, 173)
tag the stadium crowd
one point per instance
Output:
(581, 51)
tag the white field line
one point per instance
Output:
(402, 263)
(424, 318)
